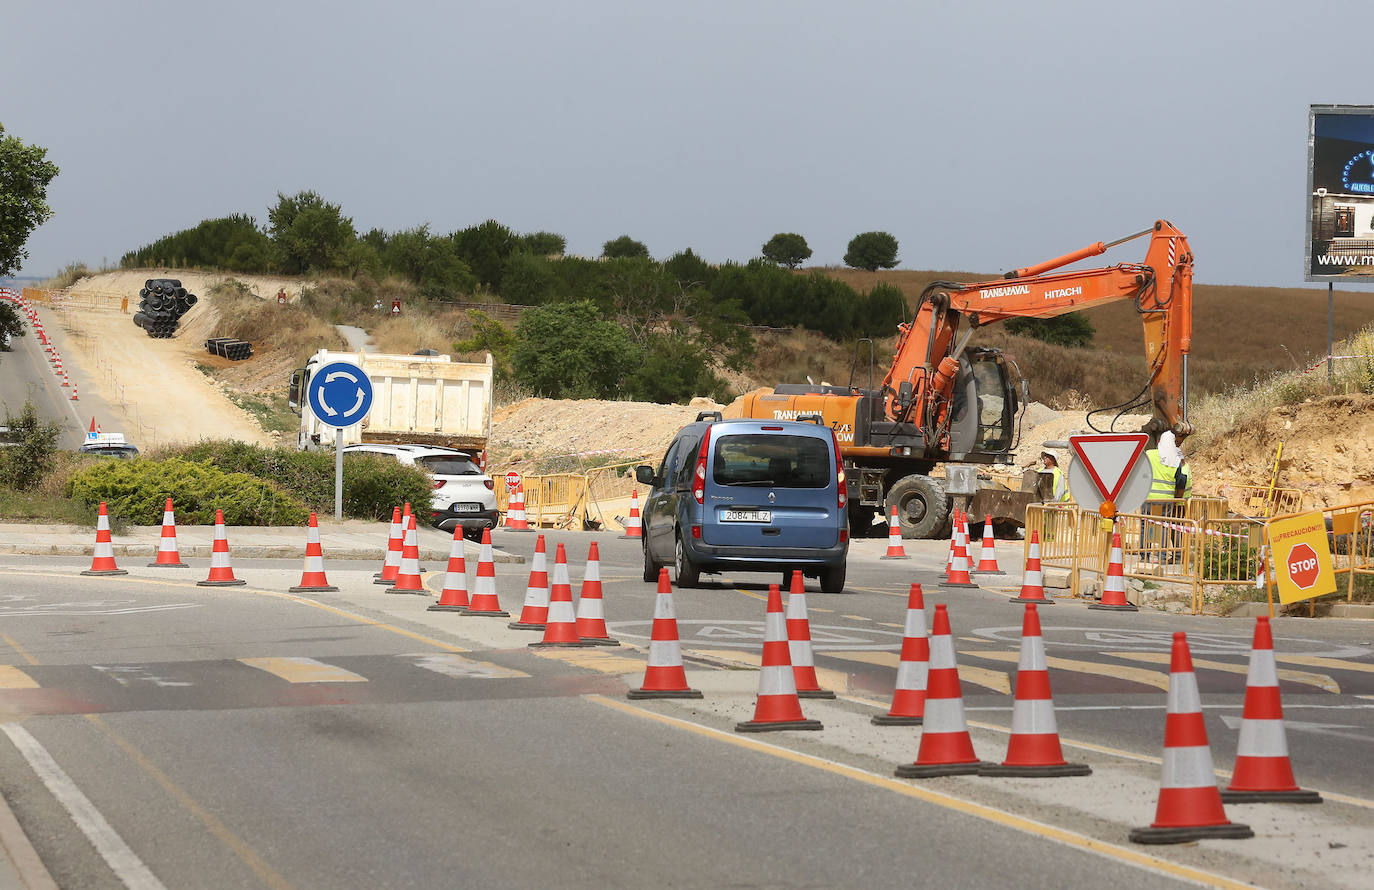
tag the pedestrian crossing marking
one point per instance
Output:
(12, 677)
(997, 681)
(1330, 664)
(1120, 672)
(1321, 681)
(593, 659)
(451, 665)
(303, 670)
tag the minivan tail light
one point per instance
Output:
(841, 486)
(696, 532)
(699, 475)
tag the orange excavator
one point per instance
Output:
(944, 402)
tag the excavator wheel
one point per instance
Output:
(922, 506)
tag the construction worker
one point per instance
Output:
(1164, 461)
(1050, 463)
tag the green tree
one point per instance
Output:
(880, 310)
(489, 335)
(787, 249)
(485, 248)
(624, 247)
(433, 263)
(569, 351)
(11, 323)
(690, 270)
(544, 244)
(871, 251)
(309, 234)
(25, 173)
(676, 368)
(24, 465)
(529, 279)
(1071, 329)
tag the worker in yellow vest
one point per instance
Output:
(1061, 486)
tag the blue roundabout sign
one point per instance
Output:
(340, 394)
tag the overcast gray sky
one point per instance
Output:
(984, 136)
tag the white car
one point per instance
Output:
(463, 495)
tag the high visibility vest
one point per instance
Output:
(1061, 488)
(1187, 472)
(1162, 483)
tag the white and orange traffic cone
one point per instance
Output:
(485, 602)
(515, 514)
(1189, 807)
(408, 579)
(778, 706)
(221, 572)
(895, 550)
(799, 648)
(664, 676)
(909, 695)
(987, 554)
(560, 630)
(958, 575)
(168, 556)
(1034, 748)
(312, 577)
(1114, 585)
(93, 431)
(1033, 581)
(953, 539)
(103, 561)
(634, 525)
(395, 544)
(74, 398)
(535, 613)
(454, 595)
(1263, 772)
(946, 747)
(591, 614)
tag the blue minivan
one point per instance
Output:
(747, 495)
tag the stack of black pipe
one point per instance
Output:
(162, 302)
(236, 350)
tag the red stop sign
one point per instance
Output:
(1303, 566)
(512, 480)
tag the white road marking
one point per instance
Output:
(451, 665)
(125, 674)
(122, 860)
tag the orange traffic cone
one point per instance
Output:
(454, 596)
(515, 514)
(103, 561)
(395, 543)
(633, 526)
(536, 611)
(168, 556)
(799, 643)
(74, 398)
(1114, 585)
(408, 578)
(953, 539)
(1189, 807)
(778, 706)
(591, 616)
(946, 747)
(561, 628)
(664, 676)
(895, 550)
(484, 599)
(93, 431)
(1263, 773)
(987, 556)
(221, 573)
(1033, 581)
(958, 575)
(909, 696)
(312, 578)
(1034, 748)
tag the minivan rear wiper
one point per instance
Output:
(751, 482)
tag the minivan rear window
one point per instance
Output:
(448, 466)
(780, 461)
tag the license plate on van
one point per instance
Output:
(746, 516)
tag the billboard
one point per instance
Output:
(1340, 185)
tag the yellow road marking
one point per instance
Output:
(818, 609)
(997, 681)
(12, 677)
(1121, 672)
(18, 648)
(236, 844)
(1330, 664)
(980, 811)
(890, 624)
(877, 590)
(750, 593)
(303, 670)
(593, 659)
(857, 617)
(1322, 681)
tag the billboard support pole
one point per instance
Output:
(1330, 329)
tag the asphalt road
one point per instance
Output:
(163, 734)
(27, 375)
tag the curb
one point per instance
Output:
(23, 859)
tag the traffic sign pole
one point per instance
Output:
(338, 473)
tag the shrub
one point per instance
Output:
(24, 464)
(624, 247)
(136, 491)
(1071, 329)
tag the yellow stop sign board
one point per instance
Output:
(1302, 557)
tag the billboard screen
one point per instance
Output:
(1340, 185)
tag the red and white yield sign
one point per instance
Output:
(513, 480)
(1108, 472)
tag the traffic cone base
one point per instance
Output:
(815, 693)
(487, 613)
(1113, 607)
(957, 584)
(168, 565)
(1299, 796)
(607, 641)
(889, 720)
(525, 625)
(325, 588)
(106, 572)
(1066, 769)
(774, 726)
(641, 694)
(237, 582)
(438, 608)
(1184, 835)
(919, 771)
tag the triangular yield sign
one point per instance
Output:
(1109, 459)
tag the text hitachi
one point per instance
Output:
(1064, 292)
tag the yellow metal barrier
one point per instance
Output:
(573, 500)
(1229, 553)
(1262, 501)
(1056, 528)
(1160, 547)
(1350, 533)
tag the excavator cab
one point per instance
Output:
(984, 409)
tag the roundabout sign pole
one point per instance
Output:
(340, 394)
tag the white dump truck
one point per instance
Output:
(423, 399)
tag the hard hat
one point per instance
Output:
(1051, 455)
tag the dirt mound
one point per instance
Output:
(545, 427)
(1328, 450)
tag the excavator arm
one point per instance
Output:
(918, 387)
